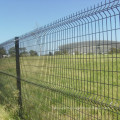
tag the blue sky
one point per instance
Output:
(18, 17)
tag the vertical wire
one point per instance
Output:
(90, 53)
(74, 74)
(108, 58)
(100, 63)
(57, 66)
(116, 39)
(97, 59)
(80, 28)
(81, 64)
(103, 58)
(64, 58)
(52, 57)
(59, 58)
(89, 72)
(72, 71)
(50, 49)
(86, 71)
(67, 64)
(92, 66)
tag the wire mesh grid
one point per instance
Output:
(70, 69)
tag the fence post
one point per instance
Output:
(18, 75)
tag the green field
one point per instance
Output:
(65, 86)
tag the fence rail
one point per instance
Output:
(69, 69)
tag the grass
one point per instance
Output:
(7, 115)
(4, 115)
(64, 79)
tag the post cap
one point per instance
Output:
(16, 38)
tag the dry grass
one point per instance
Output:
(4, 115)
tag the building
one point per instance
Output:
(90, 47)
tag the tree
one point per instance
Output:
(113, 50)
(22, 49)
(2, 52)
(23, 52)
(76, 53)
(33, 53)
(57, 53)
(12, 51)
(64, 52)
(50, 53)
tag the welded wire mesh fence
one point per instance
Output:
(69, 69)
